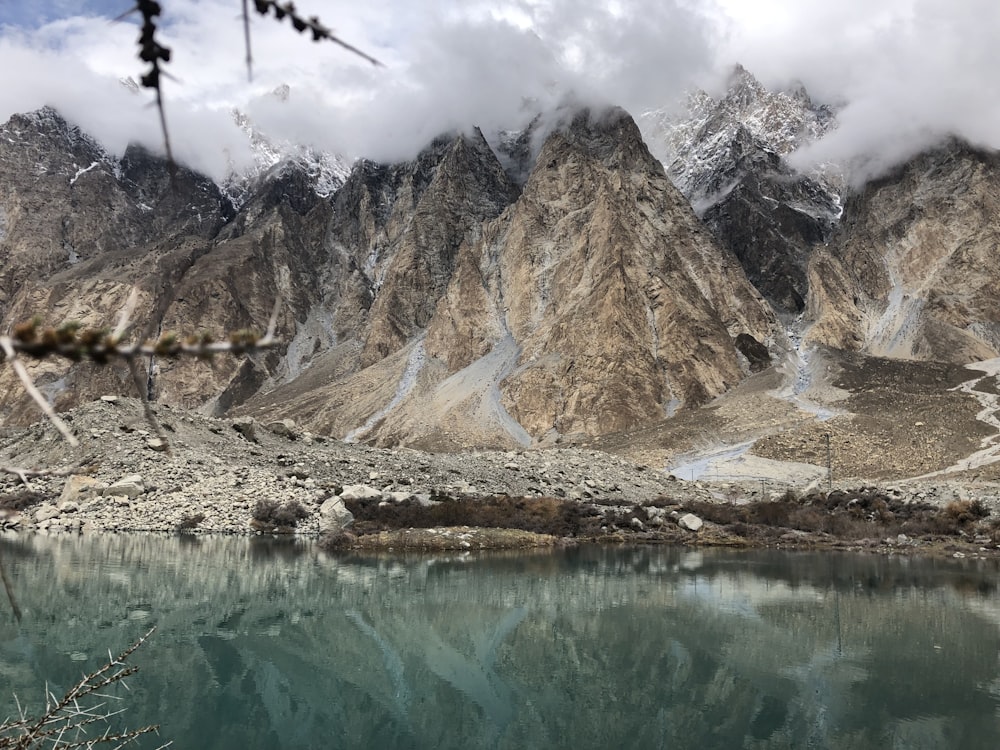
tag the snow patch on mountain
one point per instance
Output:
(274, 157)
(695, 141)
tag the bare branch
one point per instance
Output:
(246, 38)
(11, 356)
(65, 720)
(76, 343)
(313, 24)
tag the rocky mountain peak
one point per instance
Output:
(726, 156)
(275, 157)
(911, 273)
(609, 135)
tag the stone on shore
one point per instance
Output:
(128, 486)
(359, 492)
(690, 522)
(79, 488)
(334, 516)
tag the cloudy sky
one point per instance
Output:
(907, 72)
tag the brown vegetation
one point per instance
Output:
(850, 515)
(271, 516)
(544, 515)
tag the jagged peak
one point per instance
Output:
(743, 87)
(607, 134)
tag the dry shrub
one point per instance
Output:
(335, 541)
(270, 515)
(771, 513)
(543, 515)
(20, 499)
(190, 521)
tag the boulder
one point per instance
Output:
(247, 427)
(157, 444)
(78, 488)
(9, 519)
(359, 492)
(282, 427)
(45, 513)
(690, 521)
(128, 486)
(656, 516)
(334, 516)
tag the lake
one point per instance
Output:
(274, 644)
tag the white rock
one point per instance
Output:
(129, 486)
(45, 513)
(78, 488)
(359, 492)
(690, 521)
(398, 497)
(334, 515)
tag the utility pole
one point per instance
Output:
(829, 465)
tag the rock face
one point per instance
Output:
(600, 278)
(79, 229)
(434, 301)
(913, 271)
(727, 156)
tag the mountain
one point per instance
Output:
(275, 157)
(81, 228)
(727, 156)
(913, 270)
(435, 300)
(588, 301)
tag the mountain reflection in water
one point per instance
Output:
(264, 644)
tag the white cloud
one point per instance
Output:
(907, 71)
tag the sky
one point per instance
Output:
(906, 73)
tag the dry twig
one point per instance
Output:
(65, 722)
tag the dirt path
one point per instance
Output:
(989, 447)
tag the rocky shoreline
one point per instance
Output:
(238, 476)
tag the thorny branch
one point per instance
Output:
(75, 342)
(65, 720)
(300, 24)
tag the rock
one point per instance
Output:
(690, 522)
(157, 444)
(398, 497)
(656, 516)
(45, 513)
(109, 399)
(902, 538)
(247, 427)
(334, 516)
(359, 492)
(282, 428)
(68, 506)
(78, 488)
(129, 486)
(9, 519)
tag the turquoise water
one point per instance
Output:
(262, 644)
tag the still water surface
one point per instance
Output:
(276, 645)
